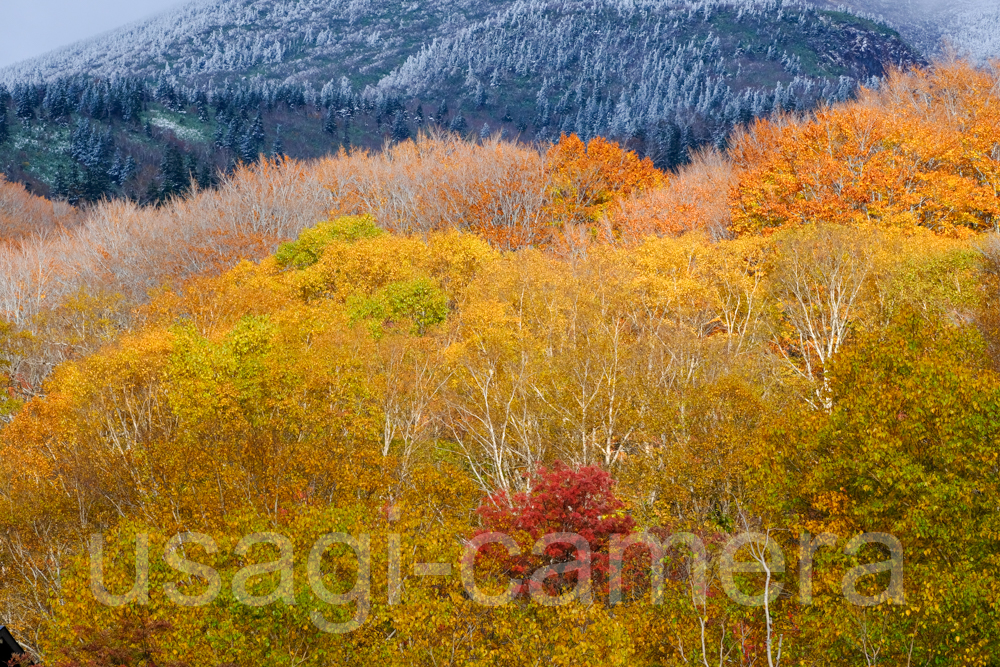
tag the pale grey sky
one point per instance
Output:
(32, 27)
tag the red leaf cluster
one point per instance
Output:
(561, 500)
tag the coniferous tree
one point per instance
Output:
(220, 134)
(400, 130)
(128, 170)
(278, 148)
(23, 104)
(247, 147)
(257, 128)
(114, 173)
(231, 140)
(201, 104)
(173, 173)
(61, 183)
(458, 123)
(191, 168)
(206, 177)
(96, 184)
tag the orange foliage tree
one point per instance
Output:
(586, 180)
(922, 150)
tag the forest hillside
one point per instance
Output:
(142, 111)
(414, 349)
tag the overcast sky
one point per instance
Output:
(32, 27)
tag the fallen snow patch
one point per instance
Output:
(178, 130)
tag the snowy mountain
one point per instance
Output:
(299, 40)
(213, 82)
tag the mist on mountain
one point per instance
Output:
(967, 28)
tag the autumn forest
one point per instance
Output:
(795, 337)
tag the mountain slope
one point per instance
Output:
(970, 27)
(203, 87)
(298, 40)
